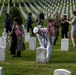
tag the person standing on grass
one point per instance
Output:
(16, 38)
(7, 24)
(73, 28)
(29, 23)
(64, 27)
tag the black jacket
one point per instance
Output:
(64, 25)
(41, 16)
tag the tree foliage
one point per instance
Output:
(14, 12)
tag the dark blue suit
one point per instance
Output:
(7, 25)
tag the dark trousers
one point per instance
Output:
(30, 27)
(56, 37)
(13, 50)
(16, 53)
(64, 34)
(40, 22)
(8, 29)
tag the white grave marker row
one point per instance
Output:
(8, 8)
(23, 13)
(1, 9)
(33, 8)
(37, 5)
(26, 7)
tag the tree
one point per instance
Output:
(14, 12)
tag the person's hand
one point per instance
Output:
(66, 21)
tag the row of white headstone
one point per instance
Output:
(26, 7)
(46, 9)
(23, 13)
(46, 12)
(39, 8)
(57, 9)
(8, 8)
(1, 10)
(35, 10)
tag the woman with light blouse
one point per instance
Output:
(73, 28)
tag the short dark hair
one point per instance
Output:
(30, 13)
(18, 20)
(7, 14)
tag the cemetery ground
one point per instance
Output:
(26, 64)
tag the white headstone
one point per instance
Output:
(0, 41)
(45, 16)
(64, 44)
(40, 55)
(39, 26)
(32, 43)
(27, 37)
(25, 32)
(62, 72)
(2, 53)
(4, 34)
(48, 14)
(1, 71)
(3, 41)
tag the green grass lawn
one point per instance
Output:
(26, 64)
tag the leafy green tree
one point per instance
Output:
(14, 12)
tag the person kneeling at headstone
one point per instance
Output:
(16, 39)
(45, 39)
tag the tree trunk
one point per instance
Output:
(10, 2)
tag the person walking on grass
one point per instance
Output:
(29, 23)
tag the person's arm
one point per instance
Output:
(68, 21)
(40, 40)
(22, 30)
